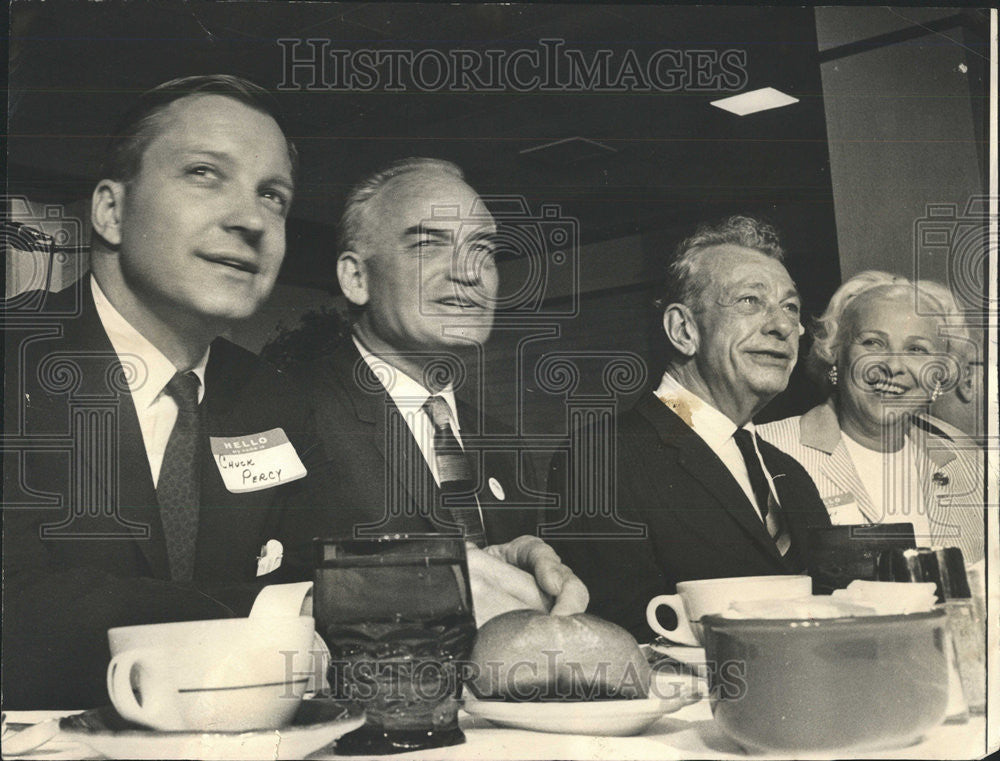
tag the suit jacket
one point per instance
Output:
(83, 543)
(698, 522)
(951, 479)
(383, 484)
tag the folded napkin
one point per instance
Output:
(888, 598)
(861, 598)
(809, 606)
(283, 600)
(295, 600)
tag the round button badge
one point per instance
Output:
(497, 489)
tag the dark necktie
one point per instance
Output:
(758, 481)
(761, 490)
(178, 489)
(454, 472)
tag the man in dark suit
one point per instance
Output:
(715, 500)
(416, 264)
(128, 494)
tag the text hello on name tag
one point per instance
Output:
(837, 500)
(256, 461)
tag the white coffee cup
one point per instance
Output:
(703, 597)
(232, 674)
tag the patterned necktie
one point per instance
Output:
(454, 472)
(761, 490)
(178, 489)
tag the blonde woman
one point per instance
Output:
(883, 349)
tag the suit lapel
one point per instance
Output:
(138, 493)
(788, 493)
(702, 464)
(483, 462)
(409, 485)
(936, 469)
(839, 468)
(128, 484)
(819, 429)
(221, 416)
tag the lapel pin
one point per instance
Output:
(941, 479)
(497, 489)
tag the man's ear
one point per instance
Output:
(352, 273)
(681, 329)
(106, 210)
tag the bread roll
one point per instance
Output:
(525, 655)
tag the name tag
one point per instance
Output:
(838, 499)
(843, 509)
(256, 461)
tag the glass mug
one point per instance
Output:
(396, 614)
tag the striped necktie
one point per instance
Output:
(773, 518)
(178, 489)
(454, 471)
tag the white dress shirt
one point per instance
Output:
(409, 397)
(716, 430)
(147, 372)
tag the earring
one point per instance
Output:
(936, 392)
(831, 375)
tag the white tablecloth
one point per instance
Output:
(687, 733)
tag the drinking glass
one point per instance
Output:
(396, 613)
(945, 566)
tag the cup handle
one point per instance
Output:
(141, 690)
(682, 635)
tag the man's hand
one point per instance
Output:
(523, 573)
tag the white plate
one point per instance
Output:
(317, 724)
(692, 657)
(614, 718)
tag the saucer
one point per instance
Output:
(692, 657)
(316, 724)
(610, 718)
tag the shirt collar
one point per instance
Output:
(709, 423)
(147, 386)
(405, 392)
(820, 429)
